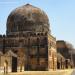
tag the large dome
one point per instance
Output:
(27, 18)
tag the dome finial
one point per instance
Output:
(27, 4)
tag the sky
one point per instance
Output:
(61, 14)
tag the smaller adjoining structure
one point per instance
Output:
(64, 57)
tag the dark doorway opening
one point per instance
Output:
(66, 64)
(58, 65)
(14, 64)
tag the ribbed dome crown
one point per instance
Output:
(27, 18)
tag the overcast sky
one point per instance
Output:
(61, 15)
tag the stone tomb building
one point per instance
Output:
(64, 59)
(29, 40)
